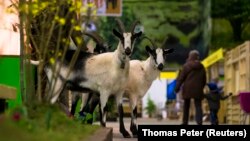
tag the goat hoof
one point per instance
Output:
(126, 135)
(70, 115)
(135, 136)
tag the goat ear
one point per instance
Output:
(149, 50)
(168, 51)
(136, 35)
(117, 34)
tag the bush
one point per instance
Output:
(151, 107)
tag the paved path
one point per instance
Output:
(118, 137)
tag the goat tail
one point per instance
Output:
(33, 62)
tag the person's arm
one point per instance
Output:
(181, 78)
(204, 76)
(208, 96)
(225, 97)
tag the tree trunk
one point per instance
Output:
(22, 58)
(237, 30)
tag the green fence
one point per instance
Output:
(10, 75)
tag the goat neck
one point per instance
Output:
(121, 57)
(150, 69)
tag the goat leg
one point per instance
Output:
(103, 105)
(123, 131)
(133, 127)
(93, 103)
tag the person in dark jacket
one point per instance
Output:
(213, 97)
(192, 80)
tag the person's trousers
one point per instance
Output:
(213, 116)
(198, 111)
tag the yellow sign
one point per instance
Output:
(216, 56)
(168, 75)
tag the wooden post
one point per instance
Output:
(6, 92)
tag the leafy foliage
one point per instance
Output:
(49, 26)
(235, 13)
(232, 9)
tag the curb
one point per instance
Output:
(102, 134)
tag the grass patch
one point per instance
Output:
(42, 123)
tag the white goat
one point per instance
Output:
(141, 76)
(105, 73)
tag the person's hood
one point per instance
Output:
(193, 59)
(213, 88)
(193, 55)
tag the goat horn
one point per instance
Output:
(164, 42)
(134, 25)
(120, 25)
(153, 43)
(96, 37)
